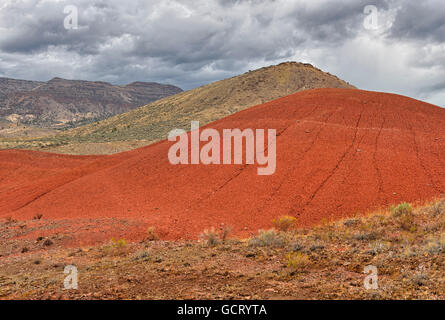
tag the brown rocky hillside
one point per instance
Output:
(208, 103)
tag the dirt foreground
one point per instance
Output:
(406, 247)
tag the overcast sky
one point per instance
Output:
(191, 43)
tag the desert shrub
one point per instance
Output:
(151, 234)
(365, 236)
(351, 222)
(401, 209)
(407, 222)
(327, 235)
(38, 216)
(408, 252)
(404, 216)
(267, 238)
(118, 244)
(296, 246)
(211, 237)
(436, 245)
(285, 223)
(225, 233)
(297, 261)
(316, 246)
(116, 247)
(378, 220)
(377, 247)
(438, 208)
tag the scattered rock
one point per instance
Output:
(47, 243)
(316, 247)
(270, 290)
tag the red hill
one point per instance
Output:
(339, 152)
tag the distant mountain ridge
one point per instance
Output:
(61, 103)
(8, 85)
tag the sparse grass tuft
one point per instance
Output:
(296, 246)
(267, 238)
(117, 244)
(225, 233)
(436, 245)
(438, 208)
(401, 209)
(404, 216)
(351, 222)
(365, 236)
(378, 247)
(116, 247)
(407, 222)
(297, 261)
(151, 234)
(211, 237)
(285, 223)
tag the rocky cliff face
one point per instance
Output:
(61, 103)
(8, 86)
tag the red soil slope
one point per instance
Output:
(339, 152)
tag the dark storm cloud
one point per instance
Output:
(35, 26)
(420, 20)
(333, 22)
(190, 43)
(221, 30)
